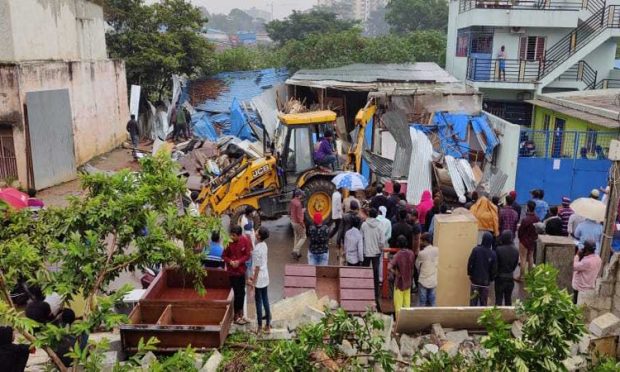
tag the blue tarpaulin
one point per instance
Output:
(225, 110)
(203, 127)
(453, 133)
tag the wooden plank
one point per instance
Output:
(300, 281)
(357, 294)
(359, 273)
(354, 306)
(300, 270)
(416, 319)
(356, 283)
(292, 291)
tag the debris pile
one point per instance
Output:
(240, 104)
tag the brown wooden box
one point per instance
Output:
(178, 316)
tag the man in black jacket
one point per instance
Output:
(379, 199)
(507, 261)
(481, 269)
(13, 357)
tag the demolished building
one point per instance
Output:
(430, 128)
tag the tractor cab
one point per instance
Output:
(295, 142)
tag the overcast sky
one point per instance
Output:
(281, 8)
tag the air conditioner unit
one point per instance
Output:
(517, 30)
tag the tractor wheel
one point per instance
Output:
(319, 199)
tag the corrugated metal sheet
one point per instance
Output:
(378, 164)
(455, 176)
(396, 122)
(420, 166)
(467, 174)
(372, 73)
(242, 85)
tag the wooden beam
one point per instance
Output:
(415, 319)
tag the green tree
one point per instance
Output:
(299, 26)
(157, 41)
(412, 15)
(122, 222)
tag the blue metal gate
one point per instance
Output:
(573, 168)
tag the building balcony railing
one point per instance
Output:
(524, 71)
(507, 70)
(562, 5)
(608, 84)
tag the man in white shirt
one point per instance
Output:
(336, 213)
(426, 264)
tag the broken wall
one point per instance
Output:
(99, 104)
(51, 30)
(508, 152)
(606, 297)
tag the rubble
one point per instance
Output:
(409, 345)
(604, 325)
(457, 336)
(347, 349)
(213, 362)
(516, 329)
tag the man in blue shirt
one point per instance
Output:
(589, 230)
(542, 208)
(324, 155)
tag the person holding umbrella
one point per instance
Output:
(593, 212)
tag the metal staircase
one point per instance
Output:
(586, 37)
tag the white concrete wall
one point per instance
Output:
(98, 94)
(518, 18)
(602, 59)
(508, 153)
(67, 30)
(454, 64)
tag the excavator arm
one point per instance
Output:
(354, 158)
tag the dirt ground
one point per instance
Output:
(280, 242)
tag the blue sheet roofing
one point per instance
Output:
(243, 86)
(452, 129)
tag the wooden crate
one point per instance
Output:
(352, 287)
(177, 315)
(202, 326)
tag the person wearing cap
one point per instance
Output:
(296, 213)
(565, 212)
(595, 194)
(318, 234)
(324, 155)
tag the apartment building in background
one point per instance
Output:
(360, 9)
(549, 46)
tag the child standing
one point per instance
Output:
(260, 279)
(402, 268)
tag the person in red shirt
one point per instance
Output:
(296, 213)
(235, 256)
(527, 239)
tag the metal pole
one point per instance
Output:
(612, 211)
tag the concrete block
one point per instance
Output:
(430, 349)
(314, 313)
(409, 345)
(394, 349)
(451, 348)
(438, 332)
(213, 362)
(147, 359)
(386, 333)
(293, 307)
(604, 325)
(584, 344)
(516, 329)
(457, 336)
(574, 363)
(347, 349)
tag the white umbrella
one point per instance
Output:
(350, 180)
(589, 208)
